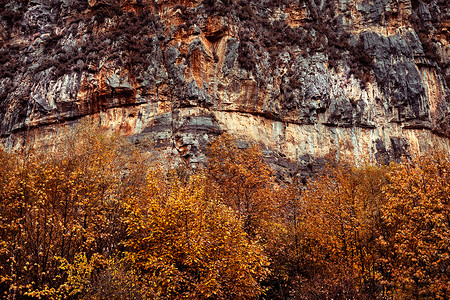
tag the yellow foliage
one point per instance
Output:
(244, 181)
(91, 219)
(59, 203)
(186, 243)
(416, 230)
(341, 215)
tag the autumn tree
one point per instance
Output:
(338, 231)
(375, 231)
(90, 218)
(415, 237)
(244, 181)
(8, 192)
(184, 242)
(61, 203)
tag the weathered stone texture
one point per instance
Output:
(302, 78)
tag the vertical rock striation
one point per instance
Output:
(301, 77)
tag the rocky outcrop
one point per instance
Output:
(302, 78)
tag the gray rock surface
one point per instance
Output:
(302, 78)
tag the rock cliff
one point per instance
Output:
(301, 77)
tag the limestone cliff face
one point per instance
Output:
(300, 77)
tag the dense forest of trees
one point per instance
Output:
(96, 218)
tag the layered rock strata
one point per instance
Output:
(302, 78)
